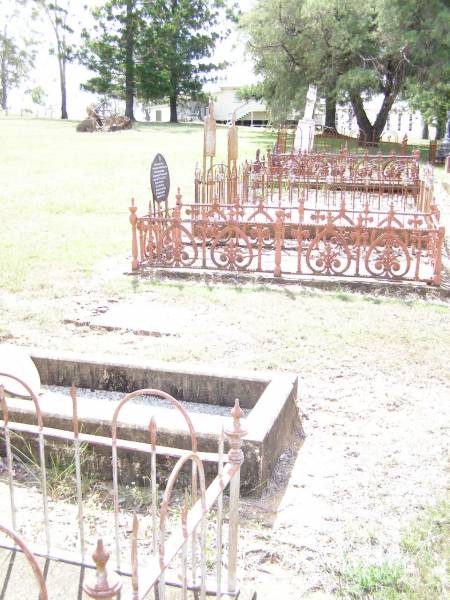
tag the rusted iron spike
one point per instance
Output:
(4, 406)
(152, 429)
(106, 585)
(73, 395)
(235, 454)
(134, 245)
(184, 513)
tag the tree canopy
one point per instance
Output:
(350, 50)
(152, 50)
(17, 46)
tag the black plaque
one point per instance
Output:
(159, 179)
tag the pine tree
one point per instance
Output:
(152, 50)
(351, 50)
(184, 33)
(110, 50)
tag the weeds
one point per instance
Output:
(421, 573)
(60, 467)
(385, 581)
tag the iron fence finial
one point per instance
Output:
(235, 454)
(105, 586)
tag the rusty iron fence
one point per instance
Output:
(318, 180)
(329, 139)
(190, 541)
(19, 543)
(339, 216)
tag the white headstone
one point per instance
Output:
(15, 361)
(306, 127)
(310, 102)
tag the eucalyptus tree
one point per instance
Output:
(17, 46)
(59, 15)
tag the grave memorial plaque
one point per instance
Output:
(311, 97)
(159, 179)
(304, 135)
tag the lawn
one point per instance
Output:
(64, 196)
(374, 371)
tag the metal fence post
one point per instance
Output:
(438, 257)
(235, 456)
(278, 227)
(134, 245)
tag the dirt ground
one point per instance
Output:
(375, 452)
(374, 447)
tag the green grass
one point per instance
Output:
(65, 196)
(421, 572)
(381, 582)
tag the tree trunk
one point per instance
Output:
(440, 128)
(62, 80)
(330, 115)
(4, 74)
(380, 121)
(173, 70)
(4, 85)
(371, 134)
(129, 63)
(365, 126)
(173, 108)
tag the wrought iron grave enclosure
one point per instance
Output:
(191, 544)
(301, 215)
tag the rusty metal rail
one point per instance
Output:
(30, 557)
(381, 244)
(319, 180)
(177, 555)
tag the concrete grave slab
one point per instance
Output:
(144, 318)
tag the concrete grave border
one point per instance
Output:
(272, 397)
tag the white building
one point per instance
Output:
(225, 103)
(251, 112)
(401, 120)
(187, 110)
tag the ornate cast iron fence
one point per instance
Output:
(319, 179)
(195, 551)
(297, 240)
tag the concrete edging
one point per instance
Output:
(271, 398)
